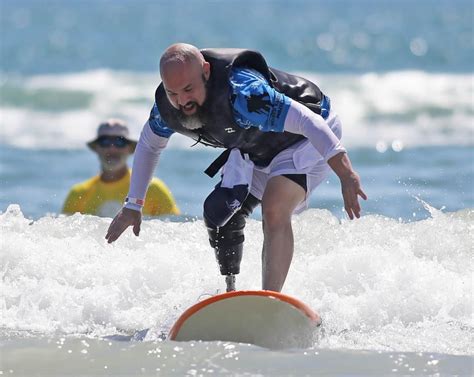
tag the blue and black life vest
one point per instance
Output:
(219, 126)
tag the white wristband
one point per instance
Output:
(134, 207)
(136, 201)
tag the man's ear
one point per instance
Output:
(206, 66)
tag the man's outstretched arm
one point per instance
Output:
(303, 121)
(146, 158)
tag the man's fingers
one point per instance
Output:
(136, 228)
(356, 210)
(351, 204)
(356, 206)
(348, 207)
(109, 231)
(351, 215)
(349, 212)
(112, 238)
(362, 194)
(116, 228)
(114, 234)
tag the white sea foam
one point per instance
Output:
(396, 109)
(378, 283)
(403, 108)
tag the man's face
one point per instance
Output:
(185, 85)
(113, 152)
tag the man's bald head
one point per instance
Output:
(184, 73)
(180, 53)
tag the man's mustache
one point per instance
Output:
(193, 103)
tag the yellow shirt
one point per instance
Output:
(96, 197)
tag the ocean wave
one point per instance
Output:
(378, 283)
(380, 110)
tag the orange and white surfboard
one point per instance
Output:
(264, 318)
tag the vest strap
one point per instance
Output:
(218, 163)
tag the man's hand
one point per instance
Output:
(350, 184)
(125, 218)
(351, 189)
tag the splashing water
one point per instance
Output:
(378, 283)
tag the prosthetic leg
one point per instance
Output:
(228, 240)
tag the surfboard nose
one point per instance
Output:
(264, 318)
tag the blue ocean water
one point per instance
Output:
(394, 181)
(400, 76)
(311, 35)
(401, 81)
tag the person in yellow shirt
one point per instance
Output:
(104, 194)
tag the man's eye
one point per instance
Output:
(188, 90)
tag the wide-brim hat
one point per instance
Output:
(113, 127)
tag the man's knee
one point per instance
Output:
(275, 216)
(227, 241)
(237, 220)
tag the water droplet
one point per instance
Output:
(381, 146)
(397, 145)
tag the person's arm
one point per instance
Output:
(153, 140)
(147, 154)
(275, 112)
(257, 104)
(302, 120)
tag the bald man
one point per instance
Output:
(281, 139)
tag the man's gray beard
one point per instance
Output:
(191, 122)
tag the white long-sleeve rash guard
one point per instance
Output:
(299, 120)
(147, 154)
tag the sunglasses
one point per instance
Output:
(107, 142)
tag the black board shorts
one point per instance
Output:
(299, 179)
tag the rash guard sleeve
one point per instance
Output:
(301, 120)
(147, 153)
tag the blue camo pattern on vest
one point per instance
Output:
(157, 124)
(256, 103)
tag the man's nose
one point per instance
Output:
(183, 99)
